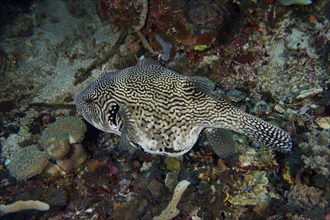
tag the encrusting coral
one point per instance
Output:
(62, 141)
(27, 162)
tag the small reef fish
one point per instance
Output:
(163, 112)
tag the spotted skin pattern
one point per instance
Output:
(163, 112)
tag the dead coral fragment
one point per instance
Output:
(309, 93)
(23, 205)
(56, 139)
(306, 198)
(171, 210)
(27, 162)
(295, 2)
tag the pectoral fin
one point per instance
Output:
(221, 141)
(129, 133)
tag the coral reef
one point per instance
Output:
(116, 11)
(316, 152)
(27, 162)
(252, 190)
(171, 210)
(268, 59)
(23, 205)
(57, 139)
(257, 159)
(306, 198)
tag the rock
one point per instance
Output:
(57, 198)
(279, 108)
(171, 179)
(172, 164)
(323, 122)
(156, 188)
(236, 95)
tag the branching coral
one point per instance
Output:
(27, 162)
(58, 138)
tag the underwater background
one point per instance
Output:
(270, 58)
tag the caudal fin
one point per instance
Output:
(265, 132)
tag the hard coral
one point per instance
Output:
(306, 198)
(58, 138)
(27, 162)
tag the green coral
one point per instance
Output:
(59, 136)
(27, 162)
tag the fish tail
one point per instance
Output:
(265, 132)
(236, 120)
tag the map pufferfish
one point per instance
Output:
(162, 112)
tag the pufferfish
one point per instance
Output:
(163, 112)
